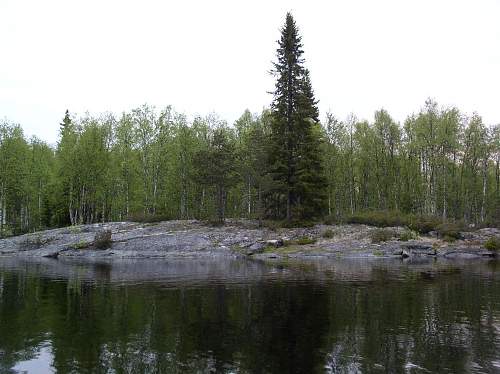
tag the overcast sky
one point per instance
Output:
(214, 56)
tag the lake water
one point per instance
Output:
(228, 316)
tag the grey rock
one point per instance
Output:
(487, 253)
(255, 248)
(466, 235)
(193, 239)
(418, 249)
(275, 242)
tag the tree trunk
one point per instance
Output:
(2, 214)
(485, 175)
(259, 205)
(288, 206)
(249, 200)
(220, 204)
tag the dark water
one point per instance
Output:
(248, 317)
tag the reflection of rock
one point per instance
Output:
(461, 255)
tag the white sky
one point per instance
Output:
(214, 56)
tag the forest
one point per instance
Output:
(283, 163)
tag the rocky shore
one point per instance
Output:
(240, 238)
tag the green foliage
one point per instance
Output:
(295, 151)
(284, 224)
(271, 224)
(297, 223)
(449, 239)
(330, 220)
(381, 235)
(82, 244)
(423, 224)
(408, 235)
(493, 244)
(419, 223)
(379, 218)
(75, 229)
(305, 240)
(148, 218)
(215, 167)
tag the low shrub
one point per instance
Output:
(493, 243)
(328, 234)
(490, 221)
(215, 223)
(378, 218)
(82, 244)
(297, 223)
(300, 241)
(331, 220)
(448, 230)
(419, 223)
(76, 229)
(305, 240)
(277, 224)
(381, 235)
(148, 218)
(423, 224)
(102, 239)
(271, 225)
(378, 253)
(449, 239)
(408, 235)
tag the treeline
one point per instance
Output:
(280, 164)
(439, 163)
(150, 163)
(142, 165)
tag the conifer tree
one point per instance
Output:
(216, 168)
(295, 152)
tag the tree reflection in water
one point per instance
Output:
(249, 317)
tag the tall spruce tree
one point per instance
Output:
(295, 159)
